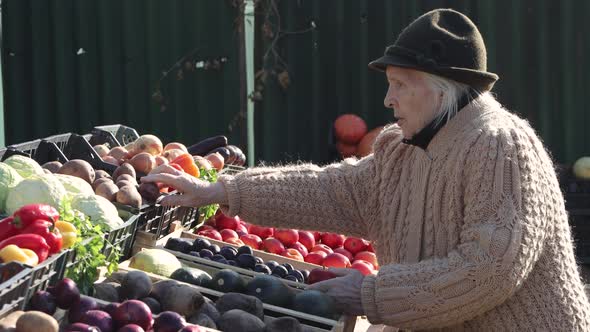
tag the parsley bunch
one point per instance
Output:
(88, 250)
(208, 211)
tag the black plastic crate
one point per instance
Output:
(121, 237)
(114, 135)
(580, 223)
(158, 219)
(41, 150)
(15, 279)
(48, 273)
(231, 169)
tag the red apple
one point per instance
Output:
(263, 232)
(333, 240)
(344, 252)
(225, 222)
(287, 236)
(235, 241)
(254, 241)
(322, 247)
(317, 275)
(364, 267)
(306, 238)
(354, 245)
(273, 245)
(211, 233)
(315, 257)
(246, 225)
(242, 228)
(228, 234)
(300, 247)
(367, 256)
(370, 247)
(293, 254)
(205, 227)
(317, 236)
(336, 260)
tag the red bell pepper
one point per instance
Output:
(29, 241)
(187, 163)
(176, 166)
(48, 231)
(7, 228)
(27, 214)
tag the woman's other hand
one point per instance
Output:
(345, 290)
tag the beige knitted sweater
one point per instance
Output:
(471, 234)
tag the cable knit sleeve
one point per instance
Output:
(508, 192)
(335, 198)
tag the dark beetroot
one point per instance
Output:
(80, 308)
(133, 312)
(131, 328)
(81, 327)
(110, 308)
(168, 321)
(43, 301)
(66, 293)
(98, 318)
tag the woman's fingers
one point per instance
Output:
(167, 179)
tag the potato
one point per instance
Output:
(8, 323)
(107, 190)
(98, 174)
(125, 168)
(111, 160)
(36, 321)
(102, 150)
(52, 166)
(79, 168)
(202, 163)
(100, 181)
(125, 183)
(128, 178)
(118, 153)
(143, 162)
(173, 154)
(161, 161)
(128, 195)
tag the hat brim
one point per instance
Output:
(481, 80)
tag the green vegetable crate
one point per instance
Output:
(309, 322)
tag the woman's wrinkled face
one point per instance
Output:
(414, 103)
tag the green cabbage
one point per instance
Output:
(38, 189)
(99, 209)
(25, 166)
(9, 178)
(74, 185)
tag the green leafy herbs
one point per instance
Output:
(89, 256)
(208, 211)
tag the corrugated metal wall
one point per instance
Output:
(537, 47)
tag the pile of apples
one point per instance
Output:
(325, 249)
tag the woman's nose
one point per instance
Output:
(389, 100)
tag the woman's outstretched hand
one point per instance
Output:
(193, 192)
(345, 290)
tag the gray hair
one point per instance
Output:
(450, 92)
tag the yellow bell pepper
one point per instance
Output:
(13, 253)
(68, 232)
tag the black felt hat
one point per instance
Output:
(443, 42)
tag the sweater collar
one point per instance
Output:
(423, 138)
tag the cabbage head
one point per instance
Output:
(99, 209)
(9, 178)
(74, 185)
(25, 166)
(37, 189)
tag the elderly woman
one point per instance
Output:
(460, 198)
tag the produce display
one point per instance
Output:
(352, 138)
(242, 257)
(324, 249)
(169, 297)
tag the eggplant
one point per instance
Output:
(203, 147)
(228, 158)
